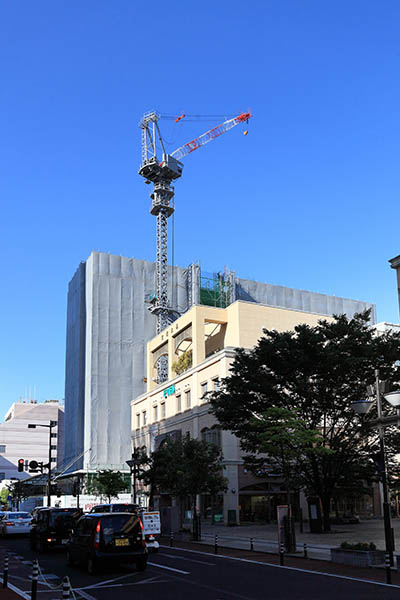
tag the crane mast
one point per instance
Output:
(160, 174)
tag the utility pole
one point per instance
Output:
(50, 427)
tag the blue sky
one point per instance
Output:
(308, 199)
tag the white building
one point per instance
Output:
(18, 441)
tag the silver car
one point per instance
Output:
(15, 523)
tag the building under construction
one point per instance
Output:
(109, 322)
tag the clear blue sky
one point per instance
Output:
(308, 199)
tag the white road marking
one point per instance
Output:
(85, 595)
(200, 562)
(169, 568)
(256, 562)
(101, 583)
(12, 587)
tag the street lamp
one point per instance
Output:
(362, 407)
(50, 426)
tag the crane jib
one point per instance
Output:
(210, 135)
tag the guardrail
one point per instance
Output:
(256, 544)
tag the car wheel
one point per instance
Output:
(141, 564)
(91, 566)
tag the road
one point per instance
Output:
(193, 575)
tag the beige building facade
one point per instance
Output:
(179, 406)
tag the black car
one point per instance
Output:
(105, 538)
(114, 507)
(51, 527)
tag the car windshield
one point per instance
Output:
(124, 508)
(21, 515)
(63, 519)
(118, 524)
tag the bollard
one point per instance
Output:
(281, 555)
(35, 573)
(171, 540)
(216, 545)
(66, 589)
(305, 551)
(5, 572)
(251, 545)
(388, 570)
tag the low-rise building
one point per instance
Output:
(17, 441)
(205, 338)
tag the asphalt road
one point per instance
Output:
(184, 574)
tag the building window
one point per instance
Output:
(216, 385)
(188, 399)
(53, 435)
(138, 421)
(178, 404)
(144, 417)
(155, 413)
(53, 447)
(2, 448)
(163, 410)
(2, 476)
(203, 389)
(53, 459)
(212, 436)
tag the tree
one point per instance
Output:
(315, 373)
(187, 467)
(107, 483)
(4, 493)
(283, 442)
(183, 363)
(17, 491)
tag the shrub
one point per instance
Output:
(358, 546)
(183, 363)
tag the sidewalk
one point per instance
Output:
(265, 537)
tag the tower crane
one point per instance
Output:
(161, 173)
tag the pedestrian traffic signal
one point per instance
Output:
(35, 466)
(21, 463)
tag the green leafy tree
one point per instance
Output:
(187, 467)
(315, 373)
(17, 491)
(107, 483)
(4, 493)
(183, 363)
(283, 442)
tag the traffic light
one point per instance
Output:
(21, 463)
(35, 466)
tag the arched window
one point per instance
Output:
(212, 436)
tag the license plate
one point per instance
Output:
(64, 541)
(122, 542)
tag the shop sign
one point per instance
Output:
(169, 391)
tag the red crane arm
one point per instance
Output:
(210, 135)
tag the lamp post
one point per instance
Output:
(362, 407)
(50, 427)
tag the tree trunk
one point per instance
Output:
(326, 505)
